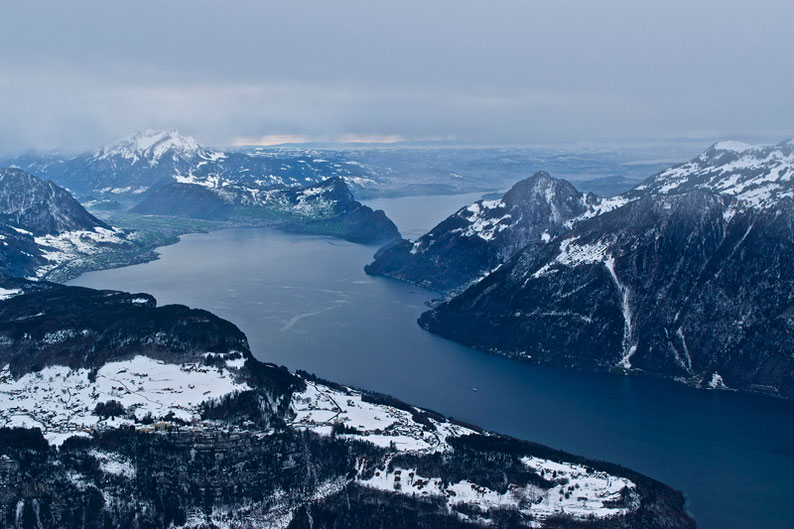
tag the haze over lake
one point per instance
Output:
(306, 303)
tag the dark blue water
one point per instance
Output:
(305, 302)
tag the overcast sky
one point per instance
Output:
(78, 74)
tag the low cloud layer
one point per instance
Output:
(75, 75)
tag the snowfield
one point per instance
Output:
(61, 400)
(319, 408)
(580, 492)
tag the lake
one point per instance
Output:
(306, 303)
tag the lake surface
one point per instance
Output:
(306, 303)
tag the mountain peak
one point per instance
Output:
(541, 185)
(732, 146)
(40, 207)
(151, 145)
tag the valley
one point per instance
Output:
(337, 322)
(301, 296)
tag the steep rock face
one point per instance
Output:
(164, 419)
(20, 255)
(42, 227)
(689, 280)
(476, 239)
(40, 207)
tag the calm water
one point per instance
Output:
(305, 302)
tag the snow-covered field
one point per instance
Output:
(319, 408)
(579, 491)
(61, 401)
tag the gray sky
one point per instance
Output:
(78, 74)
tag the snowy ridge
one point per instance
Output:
(732, 146)
(757, 176)
(61, 401)
(597, 206)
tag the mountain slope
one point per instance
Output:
(42, 227)
(324, 208)
(183, 200)
(477, 239)
(757, 176)
(163, 418)
(692, 278)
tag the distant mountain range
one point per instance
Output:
(166, 173)
(130, 166)
(127, 167)
(115, 412)
(687, 275)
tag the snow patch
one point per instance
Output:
(717, 382)
(7, 293)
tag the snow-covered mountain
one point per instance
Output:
(690, 278)
(757, 176)
(478, 238)
(162, 417)
(151, 146)
(42, 227)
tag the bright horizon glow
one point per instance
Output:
(281, 139)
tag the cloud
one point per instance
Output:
(78, 75)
